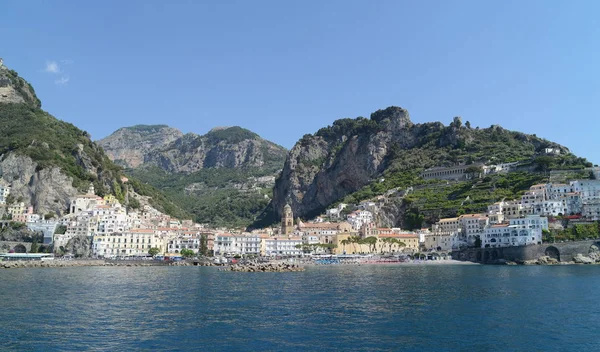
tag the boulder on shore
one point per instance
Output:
(265, 267)
(581, 259)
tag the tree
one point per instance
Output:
(344, 243)
(473, 171)
(10, 199)
(203, 245)
(543, 162)
(372, 242)
(468, 124)
(133, 203)
(413, 219)
(456, 122)
(477, 243)
(187, 253)
(153, 251)
(34, 247)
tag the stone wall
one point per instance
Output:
(563, 252)
(6, 246)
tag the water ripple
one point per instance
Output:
(367, 308)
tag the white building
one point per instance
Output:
(591, 209)
(283, 246)
(359, 217)
(85, 202)
(46, 227)
(192, 243)
(588, 189)
(472, 226)
(519, 232)
(4, 191)
(228, 244)
(130, 243)
(110, 219)
(335, 213)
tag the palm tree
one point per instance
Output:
(354, 240)
(344, 243)
(372, 242)
(400, 243)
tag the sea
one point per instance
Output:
(325, 308)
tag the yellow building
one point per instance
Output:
(346, 243)
(287, 220)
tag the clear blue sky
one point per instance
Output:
(287, 68)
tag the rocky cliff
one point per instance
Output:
(14, 89)
(129, 146)
(340, 159)
(170, 150)
(45, 160)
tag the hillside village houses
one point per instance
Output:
(117, 231)
(4, 191)
(521, 222)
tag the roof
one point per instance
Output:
(140, 231)
(478, 216)
(322, 225)
(399, 235)
(448, 219)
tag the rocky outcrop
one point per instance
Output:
(80, 246)
(14, 89)
(129, 146)
(57, 263)
(265, 267)
(341, 159)
(581, 259)
(170, 150)
(543, 260)
(47, 190)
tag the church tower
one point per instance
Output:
(91, 191)
(287, 220)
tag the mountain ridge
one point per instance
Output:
(340, 159)
(46, 161)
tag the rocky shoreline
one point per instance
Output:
(591, 258)
(66, 263)
(264, 267)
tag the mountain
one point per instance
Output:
(129, 146)
(360, 158)
(224, 177)
(47, 161)
(169, 149)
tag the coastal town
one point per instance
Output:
(116, 231)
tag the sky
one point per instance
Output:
(287, 68)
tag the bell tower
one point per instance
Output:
(287, 220)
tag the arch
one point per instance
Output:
(478, 256)
(552, 252)
(486, 256)
(20, 249)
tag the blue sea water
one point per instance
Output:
(336, 308)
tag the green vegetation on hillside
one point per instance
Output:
(210, 194)
(231, 135)
(21, 86)
(54, 143)
(51, 142)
